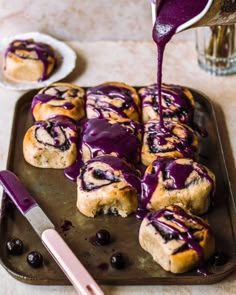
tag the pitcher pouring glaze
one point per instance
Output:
(215, 12)
(173, 16)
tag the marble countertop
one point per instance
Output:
(135, 63)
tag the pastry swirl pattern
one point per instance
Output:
(109, 185)
(177, 103)
(113, 100)
(174, 140)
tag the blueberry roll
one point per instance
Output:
(107, 185)
(113, 100)
(169, 181)
(174, 140)
(51, 144)
(177, 240)
(27, 60)
(59, 99)
(177, 103)
(102, 136)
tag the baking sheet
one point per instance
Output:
(57, 197)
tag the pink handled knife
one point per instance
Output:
(65, 258)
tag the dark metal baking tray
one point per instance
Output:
(57, 197)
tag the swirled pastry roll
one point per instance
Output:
(113, 100)
(59, 99)
(169, 181)
(107, 184)
(107, 136)
(177, 103)
(27, 60)
(51, 144)
(177, 240)
(174, 140)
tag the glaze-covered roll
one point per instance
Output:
(59, 99)
(177, 240)
(113, 100)
(51, 144)
(107, 185)
(177, 103)
(28, 60)
(174, 140)
(103, 136)
(169, 181)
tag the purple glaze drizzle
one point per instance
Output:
(68, 106)
(158, 138)
(177, 103)
(170, 169)
(73, 171)
(43, 51)
(129, 174)
(113, 92)
(178, 217)
(16, 191)
(99, 135)
(43, 97)
(170, 15)
(178, 173)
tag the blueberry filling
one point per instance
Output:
(113, 211)
(106, 175)
(65, 145)
(125, 105)
(169, 216)
(165, 235)
(97, 174)
(154, 148)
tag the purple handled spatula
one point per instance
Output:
(65, 258)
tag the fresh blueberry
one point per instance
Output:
(117, 260)
(35, 259)
(103, 237)
(15, 247)
(219, 258)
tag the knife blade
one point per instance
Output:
(57, 247)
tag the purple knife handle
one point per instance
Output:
(16, 191)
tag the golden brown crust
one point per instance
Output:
(107, 195)
(95, 104)
(68, 94)
(194, 196)
(24, 65)
(167, 253)
(180, 135)
(39, 153)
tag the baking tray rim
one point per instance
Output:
(187, 280)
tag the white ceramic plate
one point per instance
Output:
(66, 60)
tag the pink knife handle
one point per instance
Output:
(69, 263)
